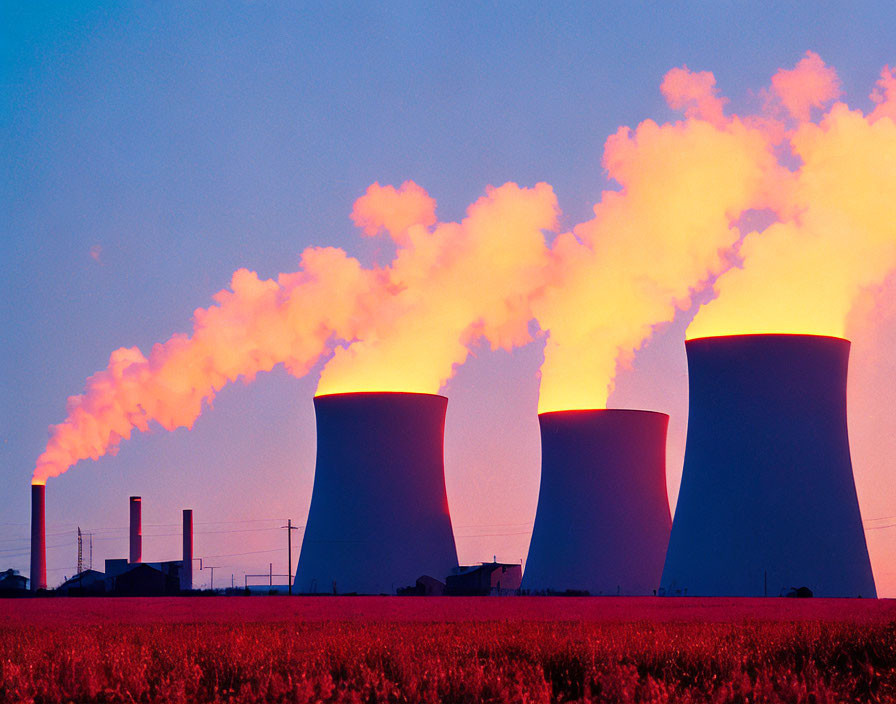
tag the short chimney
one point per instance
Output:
(38, 537)
(136, 554)
(186, 572)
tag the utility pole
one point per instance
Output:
(289, 529)
(212, 568)
(90, 562)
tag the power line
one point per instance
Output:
(199, 523)
(199, 532)
(246, 520)
(891, 525)
(125, 529)
(240, 554)
(48, 535)
(7, 552)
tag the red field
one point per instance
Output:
(457, 650)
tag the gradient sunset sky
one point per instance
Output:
(151, 151)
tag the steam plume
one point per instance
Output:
(810, 84)
(598, 291)
(448, 286)
(403, 327)
(649, 245)
(254, 326)
(834, 236)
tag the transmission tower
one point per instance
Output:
(80, 560)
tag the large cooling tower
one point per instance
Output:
(38, 537)
(379, 511)
(602, 522)
(767, 497)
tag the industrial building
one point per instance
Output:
(122, 576)
(767, 503)
(86, 583)
(144, 579)
(602, 522)
(12, 583)
(485, 579)
(424, 586)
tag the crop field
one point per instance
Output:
(324, 649)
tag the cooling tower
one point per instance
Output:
(602, 522)
(136, 532)
(186, 570)
(767, 497)
(38, 537)
(379, 512)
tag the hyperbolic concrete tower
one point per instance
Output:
(767, 496)
(602, 522)
(379, 511)
(38, 537)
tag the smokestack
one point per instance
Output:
(767, 499)
(379, 510)
(136, 530)
(38, 537)
(186, 572)
(602, 522)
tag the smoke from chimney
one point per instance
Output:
(136, 531)
(38, 537)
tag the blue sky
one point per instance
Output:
(149, 150)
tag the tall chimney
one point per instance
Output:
(767, 501)
(186, 572)
(38, 537)
(602, 522)
(136, 530)
(379, 510)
